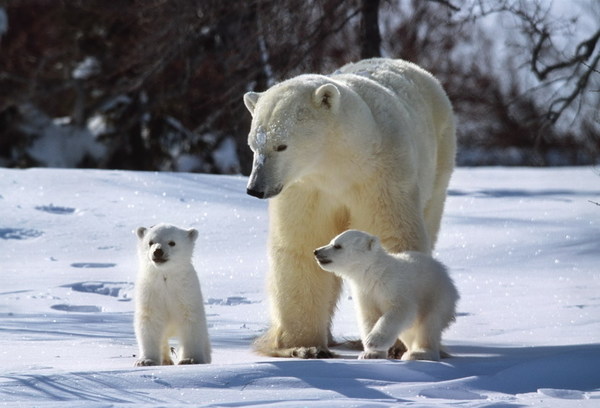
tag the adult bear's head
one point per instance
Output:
(288, 136)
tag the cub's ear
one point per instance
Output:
(141, 231)
(250, 100)
(327, 96)
(192, 234)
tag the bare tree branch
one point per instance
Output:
(580, 86)
(583, 52)
(447, 4)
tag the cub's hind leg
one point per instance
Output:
(423, 340)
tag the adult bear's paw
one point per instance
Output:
(311, 352)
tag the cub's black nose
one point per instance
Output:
(255, 193)
(158, 253)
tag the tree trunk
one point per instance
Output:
(370, 39)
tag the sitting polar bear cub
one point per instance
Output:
(409, 295)
(168, 299)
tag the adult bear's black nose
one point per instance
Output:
(255, 193)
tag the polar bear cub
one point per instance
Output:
(409, 295)
(168, 298)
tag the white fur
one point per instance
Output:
(369, 147)
(407, 296)
(168, 298)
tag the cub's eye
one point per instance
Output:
(281, 148)
(150, 243)
(337, 246)
(171, 243)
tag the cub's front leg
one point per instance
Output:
(149, 334)
(384, 334)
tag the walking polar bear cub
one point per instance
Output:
(407, 296)
(168, 298)
(369, 147)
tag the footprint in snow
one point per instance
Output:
(53, 209)
(562, 394)
(120, 290)
(93, 265)
(19, 233)
(77, 308)
(450, 393)
(230, 301)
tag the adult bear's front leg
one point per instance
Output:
(302, 299)
(302, 296)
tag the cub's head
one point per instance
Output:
(290, 122)
(165, 244)
(348, 253)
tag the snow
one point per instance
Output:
(57, 143)
(87, 68)
(260, 139)
(226, 158)
(522, 246)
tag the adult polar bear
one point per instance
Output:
(370, 147)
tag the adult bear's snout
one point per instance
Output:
(255, 193)
(258, 191)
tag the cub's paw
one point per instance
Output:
(311, 352)
(186, 361)
(144, 362)
(190, 360)
(372, 354)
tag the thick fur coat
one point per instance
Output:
(407, 296)
(369, 147)
(168, 298)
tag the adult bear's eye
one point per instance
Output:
(337, 246)
(171, 243)
(281, 148)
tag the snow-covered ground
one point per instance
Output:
(523, 246)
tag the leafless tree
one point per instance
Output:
(167, 76)
(574, 66)
(370, 38)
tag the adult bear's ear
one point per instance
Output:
(250, 100)
(141, 231)
(192, 234)
(327, 96)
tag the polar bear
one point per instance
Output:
(168, 298)
(407, 296)
(370, 147)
